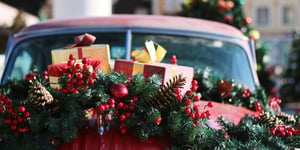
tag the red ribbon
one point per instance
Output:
(82, 40)
(79, 50)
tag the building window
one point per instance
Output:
(287, 15)
(262, 16)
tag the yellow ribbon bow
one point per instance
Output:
(149, 54)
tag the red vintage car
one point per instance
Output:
(197, 43)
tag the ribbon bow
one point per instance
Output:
(149, 54)
(82, 40)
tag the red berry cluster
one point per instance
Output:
(246, 93)
(258, 108)
(120, 109)
(45, 76)
(16, 120)
(284, 131)
(274, 103)
(190, 103)
(128, 81)
(173, 60)
(79, 77)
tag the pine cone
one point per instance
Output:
(39, 94)
(165, 93)
(286, 117)
(270, 120)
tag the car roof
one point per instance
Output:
(145, 21)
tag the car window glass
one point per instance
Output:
(227, 60)
(35, 53)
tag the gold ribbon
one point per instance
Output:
(150, 54)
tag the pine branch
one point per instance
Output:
(164, 95)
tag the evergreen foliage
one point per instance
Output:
(291, 87)
(54, 123)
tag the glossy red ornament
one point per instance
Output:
(119, 91)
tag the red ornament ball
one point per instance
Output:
(119, 91)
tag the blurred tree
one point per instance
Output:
(31, 6)
(231, 12)
(291, 87)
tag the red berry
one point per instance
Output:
(73, 81)
(69, 76)
(196, 98)
(68, 85)
(45, 73)
(120, 105)
(20, 130)
(86, 67)
(26, 129)
(125, 107)
(188, 102)
(188, 110)
(192, 115)
(208, 113)
(194, 82)
(1, 108)
(177, 91)
(158, 121)
(79, 76)
(189, 93)
(101, 108)
(197, 114)
(20, 120)
(123, 124)
(203, 115)
(123, 130)
(112, 105)
(80, 82)
(196, 107)
(26, 114)
(210, 104)
(77, 66)
(85, 60)
(111, 101)
(127, 114)
(131, 108)
(72, 57)
(106, 106)
(8, 121)
(194, 88)
(9, 110)
(134, 99)
(94, 75)
(289, 134)
(194, 125)
(13, 127)
(22, 109)
(179, 97)
(122, 118)
(71, 62)
(90, 81)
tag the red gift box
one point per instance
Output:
(166, 71)
(56, 71)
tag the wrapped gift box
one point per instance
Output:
(166, 71)
(96, 52)
(58, 70)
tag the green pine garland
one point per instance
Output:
(51, 129)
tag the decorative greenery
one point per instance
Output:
(290, 88)
(58, 117)
(231, 12)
